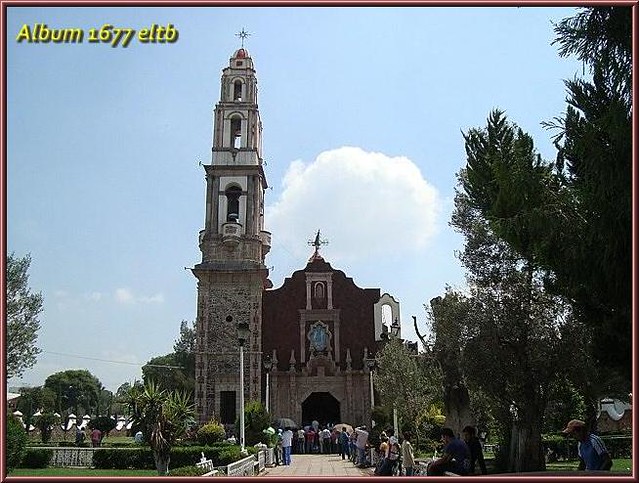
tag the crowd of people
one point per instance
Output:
(460, 456)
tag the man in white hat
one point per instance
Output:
(592, 451)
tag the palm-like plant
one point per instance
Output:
(164, 416)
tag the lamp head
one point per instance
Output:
(395, 328)
(242, 331)
(268, 363)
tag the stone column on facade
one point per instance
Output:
(308, 294)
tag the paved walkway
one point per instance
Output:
(317, 465)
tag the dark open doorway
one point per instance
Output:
(321, 407)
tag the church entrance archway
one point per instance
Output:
(321, 407)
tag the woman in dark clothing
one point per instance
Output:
(476, 453)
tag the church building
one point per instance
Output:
(311, 340)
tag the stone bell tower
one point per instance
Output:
(232, 274)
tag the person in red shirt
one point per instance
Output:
(310, 440)
(96, 437)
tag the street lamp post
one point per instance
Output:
(242, 336)
(268, 365)
(370, 363)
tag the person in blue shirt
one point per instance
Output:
(593, 455)
(455, 458)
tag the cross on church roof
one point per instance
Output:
(317, 243)
(243, 34)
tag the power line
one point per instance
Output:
(112, 362)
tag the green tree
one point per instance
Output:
(104, 424)
(44, 423)
(446, 316)
(16, 442)
(75, 390)
(406, 381)
(256, 420)
(164, 416)
(34, 399)
(516, 330)
(592, 259)
(175, 371)
(184, 348)
(23, 308)
(168, 371)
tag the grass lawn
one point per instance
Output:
(80, 472)
(618, 465)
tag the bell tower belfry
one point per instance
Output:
(232, 274)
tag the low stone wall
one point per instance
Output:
(70, 456)
(243, 467)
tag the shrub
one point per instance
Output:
(256, 420)
(139, 458)
(16, 442)
(187, 471)
(211, 433)
(103, 423)
(142, 458)
(618, 446)
(36, 458)
(45, 424)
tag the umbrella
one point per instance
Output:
(339, 426)
(285, 423)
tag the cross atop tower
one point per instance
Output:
(243, 34)
(317, 243)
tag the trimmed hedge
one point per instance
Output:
(36, 458)
(142, 458)
(618, 446)
(121, 459)
(566, 448)
(187, 471)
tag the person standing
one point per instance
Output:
(310, 440)
(278, 448)
(287, 441)
(79, 436)
(300, 441)
(593, 454)
(408, 457)
(96, 437)
(476, 453)
(326, 441)
(344, 443)
(381, 453)
(360, 444)
(455, 458)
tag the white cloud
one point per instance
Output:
(126, 296)
(365, 203)
(94, 296)
(123, 296)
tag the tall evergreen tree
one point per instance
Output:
(23, 308)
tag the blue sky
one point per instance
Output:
(363, 112)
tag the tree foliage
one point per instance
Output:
(593, 263)
(406, 381)
(16, 442)
(77, 390)
(175, 371)
(23, 308)
(33, 399)
(256, 420)
(514, 329)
